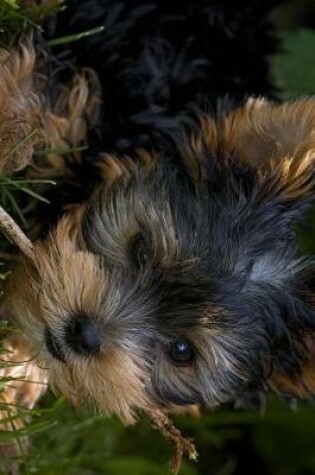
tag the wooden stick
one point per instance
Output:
(16, 234)
(182, 444)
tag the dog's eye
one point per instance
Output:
(139, 250)
(181, 352)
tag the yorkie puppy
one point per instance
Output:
(165, 271)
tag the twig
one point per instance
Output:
(16, 234)
(183, 445)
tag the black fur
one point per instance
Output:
(159, 64)
(160, 61)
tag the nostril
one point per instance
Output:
(83, 336)
(53, 346)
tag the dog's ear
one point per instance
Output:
(279, 141)
(261, 131)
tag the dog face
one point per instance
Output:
(179, 281)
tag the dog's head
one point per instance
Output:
(179, 280)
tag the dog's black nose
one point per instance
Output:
(83, 336)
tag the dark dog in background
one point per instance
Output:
(166, 270)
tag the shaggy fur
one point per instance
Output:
(159, 65)
(21, 130)
(171, 275)
(20, 108)
(157, 255)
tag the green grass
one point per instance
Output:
(15, 19)
(294, 68)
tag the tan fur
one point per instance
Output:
(275, 139)
(65, 126)
(24, 383)
(193, 149)
(303, 385)
(113, 168)
(69, 281)
(21, 130)
(263, 131)
(21, 109)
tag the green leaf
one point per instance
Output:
(35, 195)
(60, 151)
(15, 205)
(293, 70)
(20, 144)
(12, 3)
(76, 37)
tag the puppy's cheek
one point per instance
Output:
(111, 384)
(168, 396)
(173, 385)
(20, 305)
